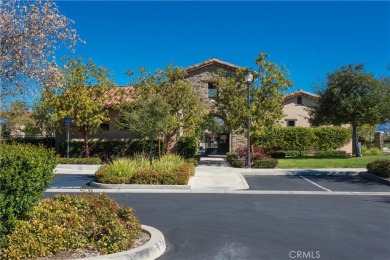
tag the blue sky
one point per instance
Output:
(310, 38)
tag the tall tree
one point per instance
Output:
(352, 96)
(186, 109)
(146, 118)
(18, 120)
(84, 97)
(266, 94)
(29, 35)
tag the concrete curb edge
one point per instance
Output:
(153, 249)
(139, 186)
(375, 178)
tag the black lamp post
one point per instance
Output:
(248, 80)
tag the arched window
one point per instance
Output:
(299, 100)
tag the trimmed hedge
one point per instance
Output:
(268, 163)
(300, 140)
(71, 223)
(91, 160)
(234, 161)
(380, 168)
(25, 172)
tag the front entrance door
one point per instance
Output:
(217, 144)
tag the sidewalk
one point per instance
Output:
(215, 174)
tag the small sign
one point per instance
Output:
(68, 120)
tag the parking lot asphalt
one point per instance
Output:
(71, 181)
(228, 226)
(347, 183)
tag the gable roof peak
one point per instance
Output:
(210, 61)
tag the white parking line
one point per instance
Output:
(319, 186)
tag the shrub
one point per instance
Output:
(187, 146)
(295, 153)
(380, 168)
(70, 223)
(25, 172)
(138, 171)
(304, 139)
(150, 176)
(278, 155)
(108, 150)
(257, 154)
(194, 161)
(177, 176)
(268, 163)
(342, 154)
(91, 160)
(236, 163)
(47, 142)
(371, 151)
(330, 138)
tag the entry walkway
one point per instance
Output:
(214, 173)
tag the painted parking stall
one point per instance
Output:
(308, 180)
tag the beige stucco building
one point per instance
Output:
(201, 76)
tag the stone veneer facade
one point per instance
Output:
(200, 75)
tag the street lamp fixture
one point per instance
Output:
(248, 80)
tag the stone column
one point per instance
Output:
(378, 140)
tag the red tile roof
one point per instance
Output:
(118, 94)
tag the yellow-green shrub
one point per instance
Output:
(68, 223)
(166, 171)
(25, 172)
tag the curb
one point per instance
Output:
(375, 178)
(80, 167)
(153, 249)
(304, 172)
(139, 186)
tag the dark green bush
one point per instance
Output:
(276, 155)
(48, 142)
(341, 154)
(236, 163)
(187, 146)
(380, 168)
(295, 153)
(91, 160)
(71, 223)
(197, 157)
(108, 150)
(268, 163)
(25, 172)
(194, 161)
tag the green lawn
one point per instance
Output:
(310, 162)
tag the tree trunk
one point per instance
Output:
(168, 141)
(355, 143)
(151, 153)
(86, 147)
